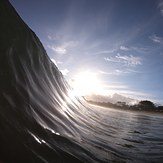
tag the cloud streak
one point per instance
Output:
(106, 51)
(63, 48)
(59, 49)
(114, 72)
(125, 59)
(118, 72)
(160, 6)
(156, 39)
(124, 48)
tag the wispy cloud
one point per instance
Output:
(140, 49)
(116, 86)
(124, 48)
(133, 71)
(106, 51)
(156, 39)
(118, 72)
(125, 59)
(160, 6)
(63, 48)
(50, 37)
(104, 72)
(114, 72)
(59, 49)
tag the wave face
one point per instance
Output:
(40, 121)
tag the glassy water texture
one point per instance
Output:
(134, 136)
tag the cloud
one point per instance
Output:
(63, 48)
(160, 6)
(50, 37)
(106, 51)
(65, 72)
(124, 48)
(133, 71)
(124, 59)
(114, 72)
(116, 86)
(59, 49)
(105, 73)
(156, 39)
(134, 48)
(118, 72)
(143, 50)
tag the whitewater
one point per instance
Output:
(41, 121)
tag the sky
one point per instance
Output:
(102, 46)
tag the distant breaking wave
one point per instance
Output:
(41, 122)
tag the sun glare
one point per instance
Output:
(86, 83)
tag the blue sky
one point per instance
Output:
(121, 41)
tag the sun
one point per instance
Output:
(86, 83)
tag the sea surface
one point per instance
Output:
(131, 136)
(41, 121)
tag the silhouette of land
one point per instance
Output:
(141, 106)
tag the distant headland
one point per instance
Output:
(144, 105)
(141, 106)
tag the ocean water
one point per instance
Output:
(41, 121)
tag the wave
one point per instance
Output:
(40, 120)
